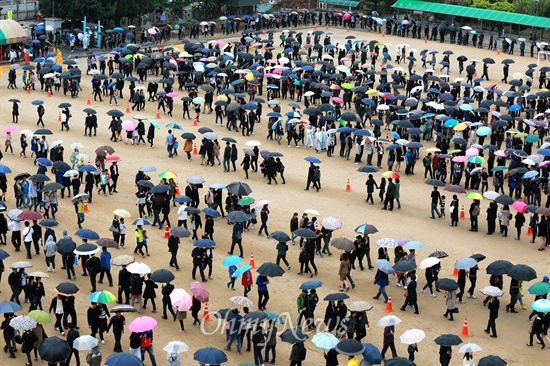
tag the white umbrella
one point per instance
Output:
(331, 223)
(360, 306)
(122, 213)
(21, 264)
(138, 268)
(387, 243)
(28, 133)
(56, 143)
(176, 346)
(253, 143)
(492, 291)
(83, 157)
(261, 203)
(70, 173)
(412, 336)
(85, 343)
(22, 322)
(39, 274)
(311, 211)
(325, 340)
(388, 320)
(429, 262)
(491, 195)
(469, 347)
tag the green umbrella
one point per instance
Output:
(539, 288)
(155, 123)
(40, 316)
(531, 138)
(246, 201)
(65, 75)
(198, 100)
(541, 306)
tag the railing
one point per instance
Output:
(24, 11)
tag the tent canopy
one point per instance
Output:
(345, 3)
(476, 13)
(11, 32)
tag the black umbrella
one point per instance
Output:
(51, 187)
(499, 267)
(239, 189)
(478, 257)
(504, 200)
(368, 169)
(224, 314)
(399, 361)
(39, 178)
(115, 113)
(280, 236)
(522, 272)
(180, 232)
(65, 247)
(293, 335)
(61, 166)
(350, 347)
(447, 284)
(21, 176)
(488, 60)
(448, 340)
(491, 361)
(255, 317)
(54, 350)
(48, 223)
(305, 233)
(404, 266)
(162, 276)
(188, 136)
(336, 297)
(204, 130)
(343, 244)
(435, 183)
(67, 289)
(270, 270)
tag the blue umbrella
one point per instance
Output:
(368, 101)
(182, 199)
(9, 307)
(361, 133)
(44, 162)
(118, 30)
(237, 216)
(466, 107)
(530, 174)
(231, 260)
(372, 354)
(274, 114)
(385, 266)
(250, 107)
(3, 255)
(87, 234)
(386, 56)
(211, 212)
(123, 359)
(392, 147)
(161, 188)
(242, 269)
(37, 102)
(312, 159)
(4, 169)
(465, 263)
(132, 78)
(174, 125)
(544, 152)
(514, 108)
(141, 222)
(209, 355)
(310, 285)
(205, 243)
(274, 317)
(112, 83)
(87, 168)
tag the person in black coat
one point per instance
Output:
(371, 184)
(331, 358)
(149, 293)
(93, 314)
(310, 176)
(491, 217)
(124, 278)
(71, 336)
(117, 323)
(151, 135)
(209, 227)
(166, 302)
(390, 192)
(411, 298)
(173, 246)
(197, 255)
(330, 316)
(445, 354)
(141, 131)
(234, 156)
(136, 292)
(494, 305)
(93, 265)
(9, 334)
(246, 165)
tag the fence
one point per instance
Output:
(22, 9)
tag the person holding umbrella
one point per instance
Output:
(71, 336)
(166, 301)
(94, 357)
(410, 294)
(451, 304)
(117, 322)
(389, 341)
(493, 305)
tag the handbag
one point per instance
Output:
(113, 229)
(455, 310)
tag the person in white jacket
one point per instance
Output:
(49, 252)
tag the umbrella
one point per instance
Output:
(106, 242)
(9, 307)
(241, 301)
(66, 246)
(209, 355)
(305, 233)
(499, 267)
(199, 291)
(176, 346)
(102, 297)
(39, 274)
(414, 245)
(522, 272)
(366, 229)
(54, 350)
(492, 291)
(123, 359)
(491, 361)
(387, 243)
(385, 266)
(388, 320)
(350, 347)
(465, 263)
(162, 276)
(124, 308)
(270, 270)
(180, 232)
(239, 189)
(343, 244)
(358, 306)
(141, 222)
(429, 262)
(86, 234)
(123, 260)
(85, 343)
(372, 354)
(21, 264)
(331, 223)
(142, 324)
(404, 266)
(399, 361)
(447, 284)
(181, 299)
(541, 306)
(325, 340)
(293, 335)
(122, 213)
(539, 288)
(448, 340)
(336, 297)
(231, 260)
(412, 336)
(435, 183)
(67, 289)
(470, 347)
(309, 285)
(86, 249)
(205, 243)
(29, 215)
(280, 236)
(139, 268)
(22, 322)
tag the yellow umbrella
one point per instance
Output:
(122, 213)
(222, 98)
(460, 127)
(512, 130)
(250, 77)
(371, 91)
(520, 135)
(433, 149)
(474, 196)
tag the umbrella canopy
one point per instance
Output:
(429, 262)
(336, 297)
(469, 348)
(399, 361)
(309, 285)
(331, 223)
(270, 270)
(447, 284)
(139, 268)
(239, 189)
(404, 266)
(162, 276)
(54, 350)
(210, 356)
(539, 288)
(522, 272)
(305, 233)
(448, 340)
(107, 242)
(85, 343)
(102, 297)
(280, 236)
(293, 335)
(180, 232)
(22, 322)
(387, 243)
(465, 263)
(343, 244)
(350, 347)
(40, 316)
(388, 320)
(412, 336)
(491, 361)
(142, 324)
(123, 308)
(199, 291)
(385, 266)
(9, 307)
(492, 291)
(499, 267)
(325, 340)
(123, 260)
(359, 306)
(67, 289)
(181, 299)
(123, 359)
(366, 229)
(176, 346)
(86, 249)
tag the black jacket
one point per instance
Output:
(94, 265)
(493, 308)
(124, 278)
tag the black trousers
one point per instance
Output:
(492, 326)
(201, 269)
(126, 292)
(390, 346)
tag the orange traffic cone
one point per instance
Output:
(348, 187)
(347, 29)
(455, 271)
(238, 34)
(387, 136)
(314, 27)
(88, 101)
(291, 29)
(178, 190)
(389, 308)
(59, 117)
(383, 34)
(195, 122)
(166, 232)
(215, 38)
(127, 108)
(157, 116)
(195, 152)
(425, 40)
(475, 73)
(498, 51)
(326, 27)
(529, 231)
(252, 261)
(464, 332)
(206, 316)
(86, 209)
(50, 94)
(462, 213)
(28, 90)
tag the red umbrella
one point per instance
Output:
(30, 215)
(199, 291)
(112, 159)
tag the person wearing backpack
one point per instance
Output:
(28, 338)
(94, 357)
(297, 354)
(258, 341)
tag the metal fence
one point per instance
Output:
(21, 9)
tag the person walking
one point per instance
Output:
(493, 305)
(411, 295)
(451, 305)
(264, 216)
(537, 330)
(124, 278)
(117, 322)
(71, 336)
(9, 335)
(135, 292)
(436, 198)
(247, 281)
(258, 343)
(197, 254)
(343, 271)
(389, 341)
(298, 354)
(271, 342)
(514, 292)
(381, 279)
(166, 301)
(263, 293)
(282, 249)
(445, 355)
(93, 265)
(105, 262)
(371, 185)
(173, 247)
(149, 293)
(93, 314)
(234, 331)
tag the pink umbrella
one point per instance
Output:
(500, 153)
(181, 299)
(271, 61)
(335, 87)
(152, 31)
(460, 159)
(172, 94)
(402, 241)
(277, 70)
(544, 164)
(373, 53)
(344, 59)
(9, 129)
(128, 126)
(472, 152)
(347, 16)
(337, 100)
(199, 291)
(142, 324)
(519, 206)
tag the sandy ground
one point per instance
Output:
(411, 222)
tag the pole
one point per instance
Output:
(84, 26)
(99, 34)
